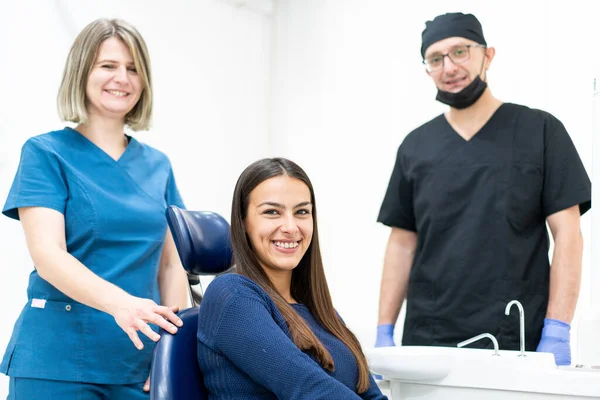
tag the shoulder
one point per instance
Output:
(50, 142)
(528, 117)
(433, 124)
(232, 297)
(422, 134)
(230, 286)
(151, 154)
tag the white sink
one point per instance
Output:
(429, 363)
(453, 373)
(420, 364)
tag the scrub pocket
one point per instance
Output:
(48, 343)
(524, 195)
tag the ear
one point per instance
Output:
(490, 52)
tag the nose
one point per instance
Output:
(289, 225)
(449, 65)
(121, 74)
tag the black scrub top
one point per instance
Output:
(479, 209)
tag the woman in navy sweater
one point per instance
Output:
(269, 330)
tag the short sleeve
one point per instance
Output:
(397, 206)
(172, 195)
(39, 181)
(566, 182)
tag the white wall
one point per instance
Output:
(334, 85)
(349, 85)
(211, 62)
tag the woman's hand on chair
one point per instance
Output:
(137, 313)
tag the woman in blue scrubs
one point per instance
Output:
(92, 201)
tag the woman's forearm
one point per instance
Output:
(75, 280)
(173, 285)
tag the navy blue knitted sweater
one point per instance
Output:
(245, 350)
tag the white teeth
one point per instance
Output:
(286, 245)
(117, 93)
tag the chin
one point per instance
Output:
(287, 265)
(455, 89)
(118, 110)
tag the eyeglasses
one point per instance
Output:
(458, 55)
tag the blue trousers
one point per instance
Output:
(42, 389)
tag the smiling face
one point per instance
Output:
(113, 86)
(279, 223)
(455, 76)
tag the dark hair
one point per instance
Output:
(308, 286)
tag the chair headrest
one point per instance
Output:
(202, 239)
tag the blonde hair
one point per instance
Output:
(72, 93)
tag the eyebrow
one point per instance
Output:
(277, 205)
(113, 61)
(438, 52)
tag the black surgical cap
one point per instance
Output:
(451, 25)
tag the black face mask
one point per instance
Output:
(466, 97)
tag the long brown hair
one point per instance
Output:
(308, 285)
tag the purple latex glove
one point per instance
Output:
(385, 335)
(556, 339)
(385, 338)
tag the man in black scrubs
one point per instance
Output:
(468, 202)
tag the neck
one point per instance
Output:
(480, 111)
(282, 280)
(104, 131)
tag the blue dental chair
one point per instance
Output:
(203, 242)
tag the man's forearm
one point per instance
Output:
(565, 276)
(394, 281)
(393, 292)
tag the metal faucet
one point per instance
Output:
(478, 337)
(521, 323)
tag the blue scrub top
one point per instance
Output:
(115, 225)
